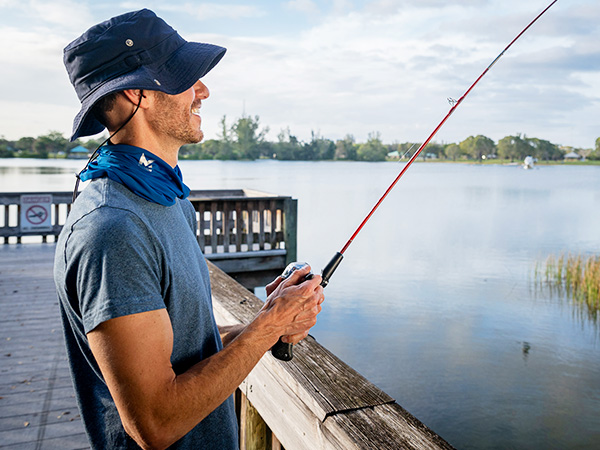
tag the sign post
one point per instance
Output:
(35, 212)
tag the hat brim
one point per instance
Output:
(181, 71)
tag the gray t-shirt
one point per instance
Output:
(119, 254)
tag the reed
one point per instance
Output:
(577, 275)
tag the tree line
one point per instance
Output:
(245, 139)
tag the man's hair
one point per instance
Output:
(103, 106)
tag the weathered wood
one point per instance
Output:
(313, 402)
(254, 433)
(226, 218)
(316, 401)
(226, 229)
(37, 403)
(290, 227)
(275, 444)
(261, 226)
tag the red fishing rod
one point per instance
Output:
(282, 350)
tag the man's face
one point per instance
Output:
(178, 116)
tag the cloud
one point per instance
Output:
(385, 66)
(211, 11)
(64, 13)
(304, 6)
(358, 72)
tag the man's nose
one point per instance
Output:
(201, 90)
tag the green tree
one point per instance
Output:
(287, 147)
(434, 148)
(514, 147)
(317, 149)
(52, 142)
(92, 144)
(595, 155)
(248, 138)
(346, 148)
(478, 146)
(407, 149)
(545, 150)
(6, 148)
(373, 149)
(452, 151)
(25, 144)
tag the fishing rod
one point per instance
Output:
(282, 350)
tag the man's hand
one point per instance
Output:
(294, 303)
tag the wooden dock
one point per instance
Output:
(313, 402)
(37, 403)
(251, 235)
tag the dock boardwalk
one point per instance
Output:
(251, 235)
(38, 409)
(314, 402)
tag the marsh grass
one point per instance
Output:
(576, 275)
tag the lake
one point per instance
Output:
(435, 300)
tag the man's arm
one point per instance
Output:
(156, 406)
(229, 332)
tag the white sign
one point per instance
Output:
(35, 212)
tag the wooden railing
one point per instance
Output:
(12, 227)
(314, 401)
(250, 235)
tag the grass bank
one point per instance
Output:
(576, 275)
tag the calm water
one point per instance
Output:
(434, 300)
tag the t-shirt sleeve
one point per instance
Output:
(114, 266)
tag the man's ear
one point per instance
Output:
(136, 96)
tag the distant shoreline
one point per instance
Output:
(497, 162)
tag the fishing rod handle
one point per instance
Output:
(283, 350)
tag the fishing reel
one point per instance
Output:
(282, 350)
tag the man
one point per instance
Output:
(150, 367)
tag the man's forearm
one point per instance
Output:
(230, 332)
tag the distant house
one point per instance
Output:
(572, 156)
(79, 152)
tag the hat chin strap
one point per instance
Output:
(95, 153)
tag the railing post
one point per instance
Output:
(290, 228)
(254, 433)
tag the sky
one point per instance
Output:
(334, 68)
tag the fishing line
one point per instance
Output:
(282, 350)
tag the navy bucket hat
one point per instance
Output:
(136, 50)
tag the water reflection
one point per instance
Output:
(34, 170)
(434, 300)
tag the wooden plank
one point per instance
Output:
(37, 401)
(316, 401)
(250, 233)
(243, 421)
(225, 227)
(251, 264)
(261, 226)
(239, 228)
(213, 227)
(201, 226)
(290, 229)
(256, 434)
(275, 444)
(273, 227)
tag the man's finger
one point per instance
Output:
(273, 285)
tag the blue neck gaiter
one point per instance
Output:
(144, 173)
